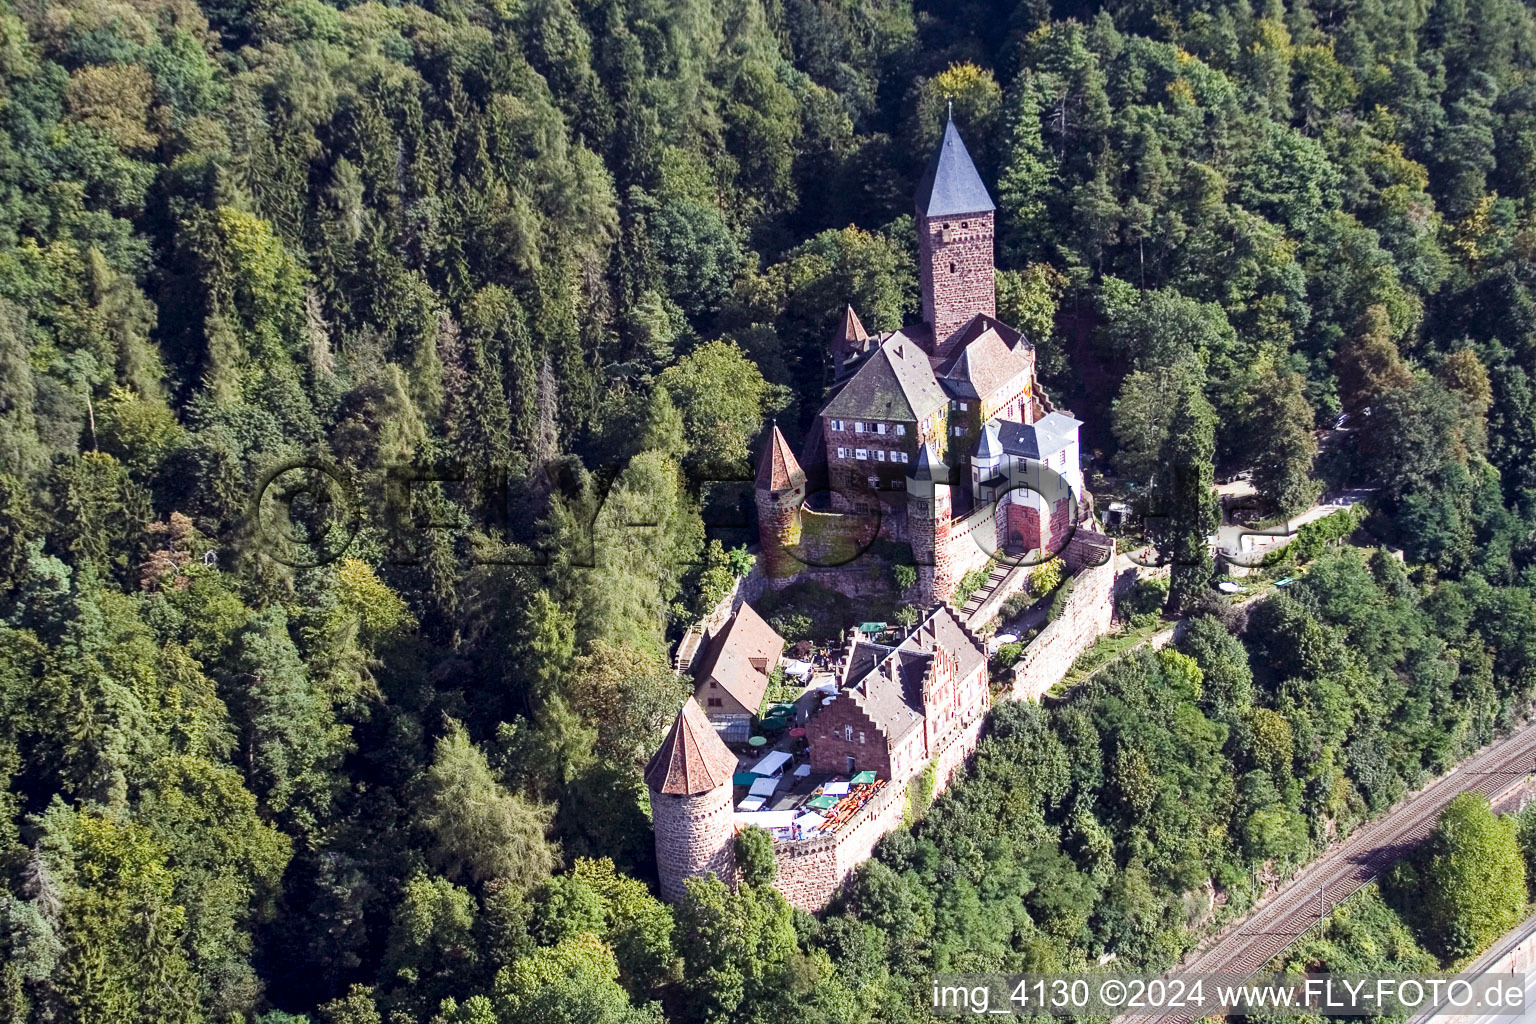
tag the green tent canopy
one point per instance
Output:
(821, 803)
(743, 779)
(872, 628)
(863, 779)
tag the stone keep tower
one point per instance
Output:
(955, 234)
(928, 525)
(780, 490)
(690, 783)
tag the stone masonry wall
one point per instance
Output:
(694, 836)
(1090, 607)
(958, 278)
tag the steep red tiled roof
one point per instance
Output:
(849, 339)
(986, 364)
(777, 470)
(734, 654)
(692, 759)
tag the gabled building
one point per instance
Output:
(897, 706)
(732, 673)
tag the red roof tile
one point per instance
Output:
(692, 759)
(777, 470)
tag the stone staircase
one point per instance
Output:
(995, 578)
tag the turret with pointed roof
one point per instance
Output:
(929, 508)
(955, 232)
(692, 759)
(779, 493)
(690, 779)
(849, 342)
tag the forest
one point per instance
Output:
(494, 298)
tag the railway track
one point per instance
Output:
(1247, 945)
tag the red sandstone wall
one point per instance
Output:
(694, 836)
(1088, 612)
(957, 273)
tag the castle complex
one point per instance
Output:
(935, 436)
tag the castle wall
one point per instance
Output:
(1088, 612)
(693, 837)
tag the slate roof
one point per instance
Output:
(929, 465)
(777, 469)
(692, 759)
(1044, 437)
(951, 186)
(983, 366)
(991, 444)
(730, 654)
(896, 383)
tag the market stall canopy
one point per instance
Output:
(802, 771)
(765, 785)
(751, 803)
(821, 803)
(771, 764)
(797, 669)
(835, 789)
(863, 779)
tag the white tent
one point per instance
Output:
(802, 771)
(810, 819)
(772, 764)
(835, 789)
(797, 669)
(751, 803)
(764, 786)
(767, 819)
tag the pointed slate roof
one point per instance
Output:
(777, 470)
(951, 186)
(692, 759)
(896, 383)
(930, 466)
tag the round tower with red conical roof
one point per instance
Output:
(780, 491)
(690, 783)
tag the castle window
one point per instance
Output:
(861, 739)
(848, 733)
(842, 453)
(965, 224)
(837, 424)
(861, 453)
(715, 702)
(960, 431)
(858, 426)
(964, 406)
(901, 431)
(951, 266)
(874, 481)
(879, 455)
